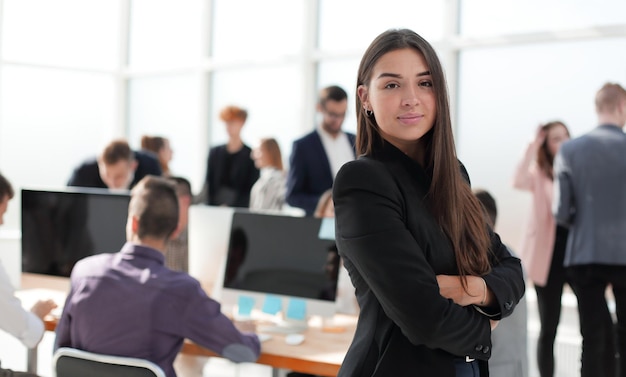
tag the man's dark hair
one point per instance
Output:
(5, 188)
(332, 93)
(116, 151)
(154, 202)
(183, 187)
(489, 204)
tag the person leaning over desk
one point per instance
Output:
(130, 304)
(431, 279)
(117, 167)
(26, 326)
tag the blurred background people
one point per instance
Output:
(543, 245)
(161, 147)
(177, 247)
(161, 308)
(230, 168)
(590, 198)
(117, 167)
(509, 356)
(345, 296)
(27, 326)
(268, 192)
(316, 157)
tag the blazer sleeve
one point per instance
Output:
(86, 174)
(371, 233)
(297, 195)
(506, 279)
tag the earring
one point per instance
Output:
(368, 113)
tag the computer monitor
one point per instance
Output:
(281, 258)
(60, 227)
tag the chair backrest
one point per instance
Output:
(71, 362)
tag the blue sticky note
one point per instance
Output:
(245, 305)
(272, 305)
(327, 229)
(296, 309)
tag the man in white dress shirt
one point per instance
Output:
(316, 157)
(27, 326)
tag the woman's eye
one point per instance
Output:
(391, 86)
(428, 84)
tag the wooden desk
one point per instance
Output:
(321, 353)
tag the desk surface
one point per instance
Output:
(321, 353)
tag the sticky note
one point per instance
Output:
(327, 229)
(272, 305)
(296, 309)
(245, 305)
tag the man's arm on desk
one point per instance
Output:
(204, 324)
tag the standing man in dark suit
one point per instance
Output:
(117, 167)
(590, 198)
(316, 158)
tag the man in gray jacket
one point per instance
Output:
(590, 198)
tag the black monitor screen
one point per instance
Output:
(281, 255)
(61, 227)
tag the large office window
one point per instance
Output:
(518, 17)
(75, 74)
(350, 25)
(169, 106)
(71, 33)
(257, 30)
(58, 89)
(166, 33)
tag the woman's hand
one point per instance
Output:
(493, 323)
(477, 291)
(43, 308)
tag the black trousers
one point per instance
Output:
(465, 369)
(603, 341)
(549, 305)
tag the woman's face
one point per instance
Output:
(402, 97)
(233, 128)
(166, 153)
(555, 137)
(259, 155)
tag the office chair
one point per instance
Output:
(70, 362)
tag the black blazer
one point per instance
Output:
(309, 172)
(87, 174)
(242, 174)
(393, 249)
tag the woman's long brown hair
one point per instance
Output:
(545, 159)
(450, 198)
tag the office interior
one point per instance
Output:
(75, 74)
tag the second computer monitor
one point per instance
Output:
(274, 256)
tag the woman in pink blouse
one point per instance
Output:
(543, 245)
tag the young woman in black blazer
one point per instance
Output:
(431, 278)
